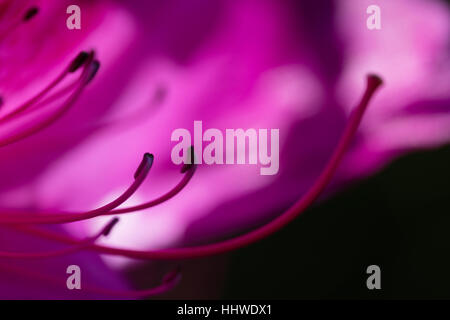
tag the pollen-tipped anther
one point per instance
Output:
(190, 162)
(374, 81)
(107, 229)
(93, 69)
(79, 60)
(31, 13)
(147, 160)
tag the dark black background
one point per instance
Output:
(398, 219)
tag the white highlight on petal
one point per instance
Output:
(148, 229)
(294, 88)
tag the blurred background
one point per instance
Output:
(397, 219)
(294, 65)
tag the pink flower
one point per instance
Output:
(295, 66)
(411, 52)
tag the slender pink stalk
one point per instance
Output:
(87, 75)
(169, 281)
(373, 83)
(140, 176)
(83, 244)
(76, 63)
(172, 193)
(6, 216)
(36, 98)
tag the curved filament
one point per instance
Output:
(373, 83)
(168, 282)
(87, 75)
(83, 244)
(140, 176)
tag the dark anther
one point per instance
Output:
(94, 69)
(148, 159)
(30, 13)
(78, 61)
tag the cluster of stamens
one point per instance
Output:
(28, 221)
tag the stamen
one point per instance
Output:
(373, 83)
(170, 194)
(33, 100)
(166, 285)
(161, 199)
(81, 58)
(57, 218)
(190, 161)
(147, 156)
(32, 12)
(86, 76)
(83, 244)
(107, 229)
(54, 96)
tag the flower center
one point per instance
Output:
(373, 83)
(31, 112)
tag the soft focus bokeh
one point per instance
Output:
(298, 66)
